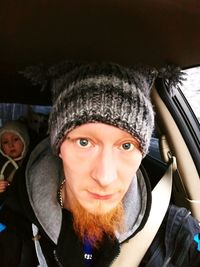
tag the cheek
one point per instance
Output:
(75, 163)
(76, 170)
(75, 166)
(20, 146)
(5, 148)
(129, 164)
(128, 167)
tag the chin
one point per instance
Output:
(99, 208)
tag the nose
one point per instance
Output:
(104, 171)
(11, 144)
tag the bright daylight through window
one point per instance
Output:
(191, 89)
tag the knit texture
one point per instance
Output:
(106, 93)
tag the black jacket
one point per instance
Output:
(174, 241)
(173, 246)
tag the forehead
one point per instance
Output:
(8, 134)
(100, 129)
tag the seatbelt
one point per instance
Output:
(135, 248)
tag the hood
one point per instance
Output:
(20, 129)
(44, 174)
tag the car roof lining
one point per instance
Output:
(122, 31)
(153, 32)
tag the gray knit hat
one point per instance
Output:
(107, 93)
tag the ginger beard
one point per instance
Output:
(93, 226)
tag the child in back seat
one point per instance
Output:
(14, 143)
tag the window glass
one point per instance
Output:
(191, 89)
(12, 111)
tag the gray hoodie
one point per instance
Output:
(44, 173)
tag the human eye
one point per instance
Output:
(83, 142)
(4, 143)
(127, 146)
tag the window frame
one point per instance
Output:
(184, 117)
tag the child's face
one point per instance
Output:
(11, 145)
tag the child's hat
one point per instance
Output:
(18, 128)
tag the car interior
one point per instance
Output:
(162, 34)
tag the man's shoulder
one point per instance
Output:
(174, 241)
(177, 217)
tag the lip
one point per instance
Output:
(101, 197)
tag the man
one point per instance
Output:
(84, 194)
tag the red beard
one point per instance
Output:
(94, 226)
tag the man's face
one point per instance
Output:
(12, 145)
(99, 163)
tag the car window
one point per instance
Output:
(15, 111)
(191, 89)
(175, 99)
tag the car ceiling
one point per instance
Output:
(154, 32)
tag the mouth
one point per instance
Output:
(101, 196)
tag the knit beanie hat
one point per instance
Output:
(19, 129)
(106, 93)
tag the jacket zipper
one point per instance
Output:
(56, 259)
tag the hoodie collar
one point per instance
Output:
(44, 174)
